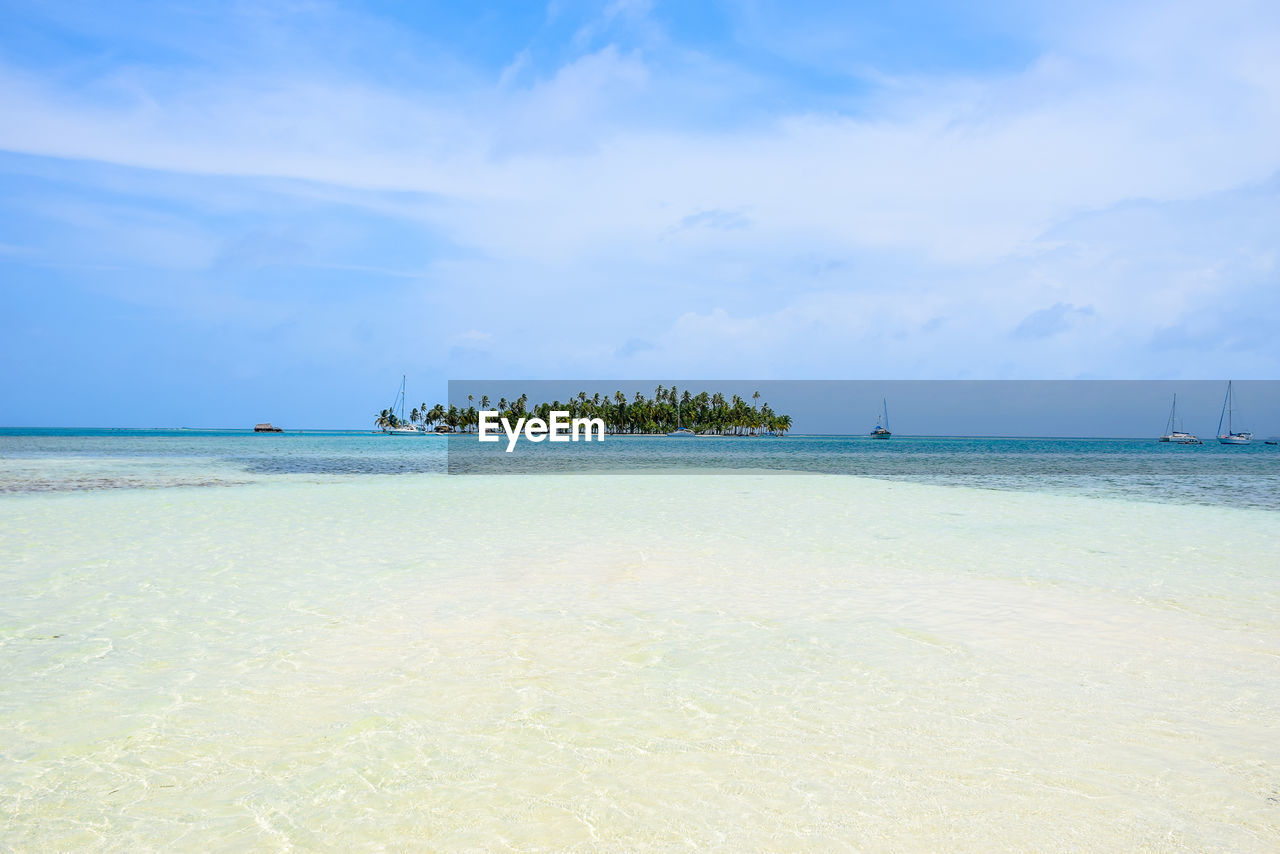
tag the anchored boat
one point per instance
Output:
(1231, 437)
(1174, 435)
(404, 428)
(680, 432)
(882, 423)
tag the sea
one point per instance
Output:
(336, 641)
(54, 460)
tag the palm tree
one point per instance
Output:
(702, 412)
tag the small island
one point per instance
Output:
(267, 427)
(704, 413)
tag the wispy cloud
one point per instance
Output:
(723, 220)
(1050, 321)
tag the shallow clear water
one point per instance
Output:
(740, 662)
(63, 460)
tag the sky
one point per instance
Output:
(218, 214)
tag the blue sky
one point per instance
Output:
(214, 215)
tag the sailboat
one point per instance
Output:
(1231, 437)
(405, 428)
(1171, 434)
(882, 423)
(680, 431)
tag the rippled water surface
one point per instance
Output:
(56, 460)
(316, 656)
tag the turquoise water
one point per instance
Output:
(230, 641)
(67, 460)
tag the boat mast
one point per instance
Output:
(886, 412)
(1226, 411)
(1231, 407)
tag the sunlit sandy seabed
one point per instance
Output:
(636, 662)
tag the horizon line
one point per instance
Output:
(374, 432)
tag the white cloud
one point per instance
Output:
(979, 199)
(968, 172)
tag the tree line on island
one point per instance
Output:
(706, 413)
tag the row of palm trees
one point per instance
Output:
(668, 409)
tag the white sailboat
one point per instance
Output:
(1231, 437)
(882, 423)
(680, 432)
(405, 428)
(1174, 435)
